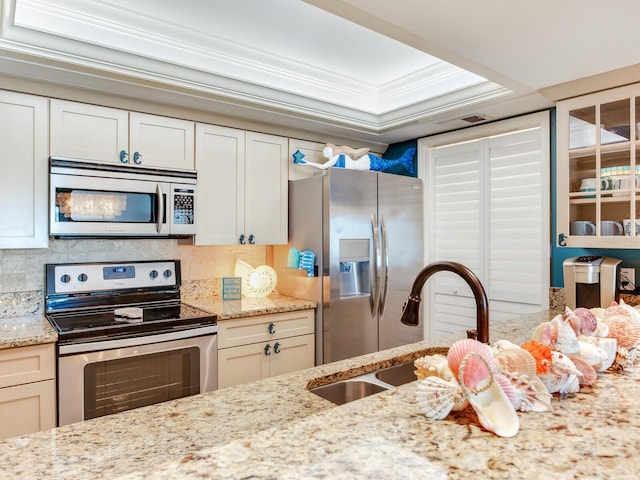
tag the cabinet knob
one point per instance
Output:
(276, 348)
(252, 239)
(267, 349)
(272, 328)
(123, 156)
(136, 158)
(242, 239)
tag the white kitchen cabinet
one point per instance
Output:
(24, 140)
(598, 170)
(243, 192)
(252, 348)
(27, 390)
(111, 135)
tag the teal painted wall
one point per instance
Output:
(630, 257)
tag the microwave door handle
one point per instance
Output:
(159, 208)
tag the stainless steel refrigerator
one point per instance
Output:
(366, 229)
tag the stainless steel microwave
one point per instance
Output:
(89, 199)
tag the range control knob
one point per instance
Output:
(82, 277)
(65, 278)
(153, 274)
(167, 273)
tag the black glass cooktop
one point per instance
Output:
(103, 322)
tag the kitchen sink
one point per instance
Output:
(347, 391)
(397, 375)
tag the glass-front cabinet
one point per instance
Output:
(598, 169)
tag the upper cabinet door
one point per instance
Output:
(161, 141)
(220, 200)
(24, 162)
(110, 135)
(598, 170)
(266, 189)
(88, 132)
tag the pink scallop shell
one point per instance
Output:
(475, 370)
(589, 374)
(587, 321)
(624, 329)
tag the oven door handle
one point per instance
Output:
(67, 349)
(160, 208)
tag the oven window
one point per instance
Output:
(74, 205)
(122, 384)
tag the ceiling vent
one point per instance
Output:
(474, 118)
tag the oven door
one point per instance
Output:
(118, 378)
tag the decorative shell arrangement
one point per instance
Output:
(564, 354)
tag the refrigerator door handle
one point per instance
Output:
(384, 275)
(375, 284)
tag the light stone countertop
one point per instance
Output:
(25, 331)
(227, 309)
(275, 428)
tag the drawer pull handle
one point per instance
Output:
(267, 349)
(272, 328)
(276, 348)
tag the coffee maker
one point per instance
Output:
(591, 281)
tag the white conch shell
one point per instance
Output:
(501, 345)
(433, 365)
(567, 341)
(610, 347)
(557, 380)
(531, 394)
(602, 330)
(494, 409)
(598, 312)
(437, 397)
(592, 353)
(570, 384)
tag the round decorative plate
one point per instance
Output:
(260, 282)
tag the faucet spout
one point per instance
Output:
(410, 316)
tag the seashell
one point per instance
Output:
(610, 347)
(516, 360)
(625, 357)
(541, 354)
(501, 345)
(591, 353)
(587, 321)
(546, 333)
(616, 310)
(569, 316)
(506, 386)
(561, 364)
(433, 365)
(598, 312)
(437, 397)
(589, 374)
(635, 314)
(552, 381)
(570, 384)
(531, 394)
(624, 329)
(494, 409)
(602, 330)
(567, 341)
(476, 370)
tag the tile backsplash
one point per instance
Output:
(22, 271)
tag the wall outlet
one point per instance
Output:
(627, 279)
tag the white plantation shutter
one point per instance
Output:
(487, 207)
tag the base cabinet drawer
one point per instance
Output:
(253, 348)
(22, 365)
(265, 328)
(27, 408)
